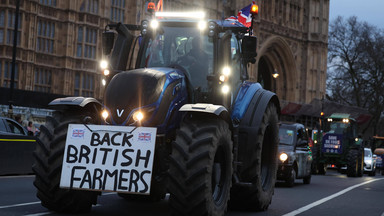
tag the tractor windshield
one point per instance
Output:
(337, 127)
(185, 46)
(286, 136)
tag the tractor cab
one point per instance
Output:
(209, 53)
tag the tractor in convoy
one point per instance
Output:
(339, 146)
(178, 117)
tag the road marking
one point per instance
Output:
(21, 204)
(39, 214)
(319, 202)
(18, 176)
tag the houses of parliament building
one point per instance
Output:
(59, 45)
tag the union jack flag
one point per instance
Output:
(78, 133)
(144, 136)
(244, 16)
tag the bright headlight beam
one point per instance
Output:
(202, 25)
(104, 114)
(283, 157)
(138, 116)
(103, 64)
(106, 72)
(154, 24)
(226, 71)
(225, 89)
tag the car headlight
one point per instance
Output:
(283, 157)
(368, 162)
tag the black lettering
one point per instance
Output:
(95, 139)
(122, 179)
(86, 179)
(97, 174)
(143, 180)
(84, 152)
(134, 178)
(105, 150)
(106, 139)
(126, 140)
(112, 175)
(73, 178)
(126, 156)
(116, 156)
(145, 158)
(113, 139)
(71, 156)
(94, 156)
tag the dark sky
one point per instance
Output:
(371, 11)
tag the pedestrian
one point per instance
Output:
(30, 129)
(18, 119)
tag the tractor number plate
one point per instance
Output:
(108, 158)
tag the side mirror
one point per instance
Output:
(248, 47)
(108, 39)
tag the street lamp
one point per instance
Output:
(275, 74)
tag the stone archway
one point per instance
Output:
(276, 55)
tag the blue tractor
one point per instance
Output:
(212, 135)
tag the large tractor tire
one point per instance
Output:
(48, 163)
(354, 162)
(200, 172)
(360, 168)
(257, 196)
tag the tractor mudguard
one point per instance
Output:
(74, 101)
(90, 104)
(250, 117)
(217, 110)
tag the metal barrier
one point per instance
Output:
(16, 154)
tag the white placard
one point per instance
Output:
(108, 158)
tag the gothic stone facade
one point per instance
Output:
(60, 42)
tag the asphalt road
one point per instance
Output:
(332, 194)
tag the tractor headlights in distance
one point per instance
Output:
(283, 157)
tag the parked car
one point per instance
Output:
(295, 157)
(16, 155)
(369, 162)
(9, 126)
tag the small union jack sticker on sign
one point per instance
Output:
(145, 137)
(78, 133)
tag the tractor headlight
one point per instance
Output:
(104, 114)
(211, 28)
(154, 24)
(138, 116)
(106, 72)
(224, 74)
(283, 157)
(103, 64)
(144, 27)
(225, 89)
(202, 25)
(226, 71)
